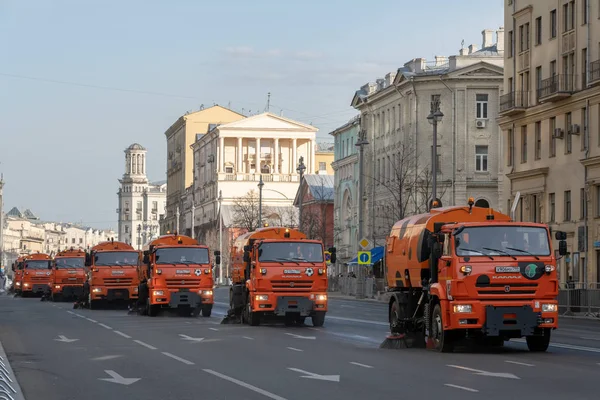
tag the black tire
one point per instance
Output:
(539, 344)
(207, 310)
(442, 339)
(252, 318)
(300, 320)
(318, 319)
(396, 314)
(151, 310)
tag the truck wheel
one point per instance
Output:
(207, 310)
(253, 318)
(397, 314)
(152, 310)
(539, 343)
(441, 338)
(318, 319)
(300, 320)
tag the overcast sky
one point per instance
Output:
(80, 80)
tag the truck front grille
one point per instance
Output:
(118, 281)
(292, 286)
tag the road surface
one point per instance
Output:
(59, 353)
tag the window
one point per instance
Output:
(552, 140)
(584, 65)
(552, 208)
(569, 138)
(584, 11)
(481, 158)
(538, 30)
(584, 120)
(80, 240)
(322, 166)
(553, 68)
(524, 144)
(511, 43)
(538, 80)
(567, 211)
(73, 241)
(511, 148)
(435, 102)
(538, 140)
(482, 106)
(126, 229)
(552, 24)
(524, 37)
(582, 203)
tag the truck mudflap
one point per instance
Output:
(294, 304)
(183, 299)
(523, 319)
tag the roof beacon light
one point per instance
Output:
(471, 202)
(287, 233)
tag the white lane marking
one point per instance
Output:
(105, 358)
(519, 363)
(248, 337)
(461, 387)
(105, 326)
(245, 385)
(122, 334)
(345, 306)
(145, 344)
(80, 316)
(564, 346)
(174, 357)
(92, 320)
(294, 349)
(589, 338)
(361, 365)
(362, 321)
(71, 312)
(214, 329)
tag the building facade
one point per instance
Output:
(550, 119)
(324, 157)
(180, 158)
(317, 207)
(345, 203)
(394, 111)
(141, 204)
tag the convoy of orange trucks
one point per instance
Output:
(68, 275)
(278, 273)
(470, 272)
(112, 274)
(176, 274)
(35, 275)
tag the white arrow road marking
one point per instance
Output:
(116, 378)
(103, 358)
(186, 337)
(361, 365)
(310, 375)
(301, 337)
(62, 338)
(519, 363)
(461, 387)
(245, 385)
(486, 373)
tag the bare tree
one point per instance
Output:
(245, 211)
(424, 190)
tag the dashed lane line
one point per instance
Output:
(361, 365)
(294, 349)
(174, 357)
(122, 334)
(92, 320)
(105, 326)
(519, 363)
(461, 387)
(245, 385)
(144, 344)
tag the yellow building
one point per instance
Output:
(180, 156)
(324, 157)
(550, 119)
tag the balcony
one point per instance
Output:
(556, 88)
(595, 73)
(514, 103)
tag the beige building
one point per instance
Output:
(394, 110)
(180, 160)
(324, 157)
(550, 123)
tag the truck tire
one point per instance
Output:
(442, 339)
(396, 314)
(539, 344)
(318, 319)
(207, 310)
(152, 309)
(252, 318)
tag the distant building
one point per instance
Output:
(317, 207)
(324, 156)
(141, 204)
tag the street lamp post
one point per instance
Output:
(139, 231)
(361, 143)
(221, 238)
(434, 118)
(301, 168)
(260, 189)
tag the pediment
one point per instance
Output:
(268, 121)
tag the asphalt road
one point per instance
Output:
(59, 353)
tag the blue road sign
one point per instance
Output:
(364, 257)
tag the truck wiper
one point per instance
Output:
(500, 251)
(477, 251)
(523, 251)
(287, 259)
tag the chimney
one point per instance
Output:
(462, 51)
(472, 48)
(440, 60)
(389, 78)
(500, 39)
(488, 36)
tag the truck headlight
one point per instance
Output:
(466, 269)
(26, 284)
(207, 271)
(57, 287)
(158, 292)
(321, 271)
(18, 283)
(97, 290)
(135, 290)
(321, 297)
(207, 292)
(263, 271)
(261, 297)
(549, 268)
(549, 308)
(463, 308)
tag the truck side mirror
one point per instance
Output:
(218, 259)
(333, 257)
(560, 235)
(146, 253)
(562, 247)
(246, 256)
(146, 258)
(88, 260)
(217, 253)
(12, 267)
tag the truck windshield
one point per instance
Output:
(65, 263)
(502, 240)
(110, 258)
(37, 264)
(294, 251)
(182, 255)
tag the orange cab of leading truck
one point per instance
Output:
(278, 273)
(68, 274)
(176, 274)
(17, 269)
(112, 274)
(470, 272)
(36, 274)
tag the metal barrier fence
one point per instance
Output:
(349, 286)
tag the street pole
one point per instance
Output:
(221, 238)
(301, 168)
(177, 222)
(193, 217)
(433, 118)
(260, 186)
(361, 143)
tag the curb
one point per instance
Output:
(8, 380)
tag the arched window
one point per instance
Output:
(265, 169)
(483, 203)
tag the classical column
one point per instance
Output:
(221, 153)
(240, 154)
(257, 161)
(276, 157)
(294, 157)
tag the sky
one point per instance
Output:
(81, 80)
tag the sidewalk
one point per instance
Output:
(9, 387)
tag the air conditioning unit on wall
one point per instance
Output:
(480, 123)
